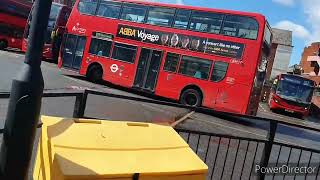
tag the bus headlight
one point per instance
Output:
(306, 108)
(276, 101)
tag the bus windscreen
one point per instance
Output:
(295, 90)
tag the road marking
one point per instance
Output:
(262, 108)
(185, 117)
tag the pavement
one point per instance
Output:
(61, 80)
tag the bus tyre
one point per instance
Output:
(3, 44)
(95, 73)
(191, 97)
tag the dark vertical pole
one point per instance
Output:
(268, 148)
(80, 105)
(25, 101)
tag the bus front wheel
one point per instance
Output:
(95, 73)
(3, 44)
(191, 97)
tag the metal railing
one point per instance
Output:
(227, 156)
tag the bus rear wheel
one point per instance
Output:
(95, 73)
(3, 44)
(191, 97)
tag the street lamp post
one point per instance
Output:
(25, 101)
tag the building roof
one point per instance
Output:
(281, 36)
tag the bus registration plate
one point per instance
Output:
(288, 110)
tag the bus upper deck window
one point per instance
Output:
(161, 16)
(182, 19)
(134, 13)
(109, 9)
(239, 26)
(88, 6)
(206, 22)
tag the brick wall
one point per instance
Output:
(307, 67)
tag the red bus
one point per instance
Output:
(292, 93)
(58, 18)
(198, 56)
(13, 18)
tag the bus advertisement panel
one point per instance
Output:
(58, 18)
(197, 56)
(292, 94)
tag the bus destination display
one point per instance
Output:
(210, 46)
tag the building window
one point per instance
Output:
(239, 26)
(182, 19)
(171, 63)
(195, 67)
(88, 6)
(124, 52)
(134, 13)
(219, 71)
(109, 9)
(206, 22)
(100, 47)
(160, 16)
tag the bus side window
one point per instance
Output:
(182, 19)
(124, 52)
(134, 13)
(100, 47)
(160, 16)
(171, 62)
(239, 26)
(219, 71)
(88, 6)
(195, 67)
(206, 22)
(109, 9)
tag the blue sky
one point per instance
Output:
(300, 16)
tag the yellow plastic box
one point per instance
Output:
(92, 149)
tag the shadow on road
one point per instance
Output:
(16, 51)
(138, 92)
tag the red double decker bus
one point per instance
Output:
(13, 18)
(198, 56)
(292, 93)
(58, 18)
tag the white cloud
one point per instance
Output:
(285, 2)
(312, 11)
(298, 30)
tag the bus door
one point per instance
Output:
(73, 51)
(148, 69)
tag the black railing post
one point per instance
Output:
(80, 105)
(25, 101)
(268, 148)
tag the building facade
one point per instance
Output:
(281, 50)
(310, 62)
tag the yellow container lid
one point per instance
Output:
(96, 149)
